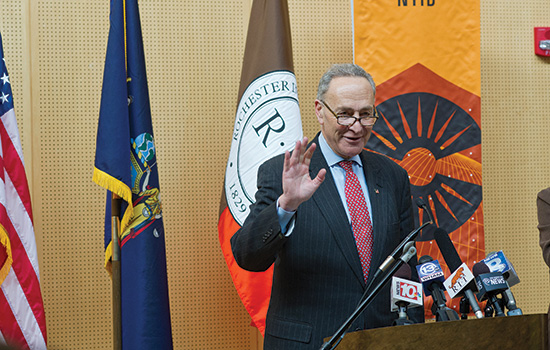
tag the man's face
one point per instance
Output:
(349, 95)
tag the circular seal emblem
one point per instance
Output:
(267, 123)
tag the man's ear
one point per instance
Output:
(318, 108)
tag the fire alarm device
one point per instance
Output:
(542, 41)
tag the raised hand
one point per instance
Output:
(298, 186)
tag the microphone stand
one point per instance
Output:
(464, 308)
(440, 310)
(402, 320)
(411, 237)
(392, 257)
(408, 252)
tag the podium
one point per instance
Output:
(525, 332)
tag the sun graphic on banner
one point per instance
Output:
(431, 127)
(432, 138)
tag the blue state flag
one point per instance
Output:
(126, 164)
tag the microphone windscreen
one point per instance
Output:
(420, 202)
(480, 268)
(404, 272)
(424, 259)
(447, 249)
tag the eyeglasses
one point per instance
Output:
(367, 118)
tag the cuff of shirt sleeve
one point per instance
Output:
(286, 220)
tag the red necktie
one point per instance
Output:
(360, 218)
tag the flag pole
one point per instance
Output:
(115, 269)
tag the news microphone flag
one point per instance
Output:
(126, 164)
(497, 262)
(406, 291)
(267, 123)
(428, 273)
(22, 319)
(490, 284)
(456, 283)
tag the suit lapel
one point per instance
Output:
(330, 206)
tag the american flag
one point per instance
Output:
(22, 319)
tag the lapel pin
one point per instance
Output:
(376, 190)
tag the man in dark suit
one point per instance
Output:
(543, 214)
(307, 221)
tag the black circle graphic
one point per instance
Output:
(439, 128)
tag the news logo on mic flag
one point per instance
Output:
(267, 123)
(490, 283)
(428, 273)
(456, 282)
(497, 262)
(405, 290)
(126, 164)
(22, 318)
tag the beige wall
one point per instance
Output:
(55, 52)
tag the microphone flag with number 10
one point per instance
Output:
(425, 58)
(267, 123)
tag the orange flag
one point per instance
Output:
(267, 123)
(425, 57)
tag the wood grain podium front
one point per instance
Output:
(527, 332)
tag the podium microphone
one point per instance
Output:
(408, 252)
(461, 282)
(432, 278)
(410, 237)
(497, 262)
(489, 285)
(421, 204)
(404, 294)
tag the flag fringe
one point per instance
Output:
(5, 242)
(119, 188)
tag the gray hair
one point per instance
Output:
(342, 70)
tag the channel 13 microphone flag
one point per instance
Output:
(22, 318)
(126, 165)
(267, 123)
(425, 57)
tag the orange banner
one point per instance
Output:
(425, 58)
(444, 36)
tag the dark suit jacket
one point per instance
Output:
(543, 212)
(317, 279)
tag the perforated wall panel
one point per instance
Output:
(317, 43)
(515, 100)
(55, 52)
(68, 48)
